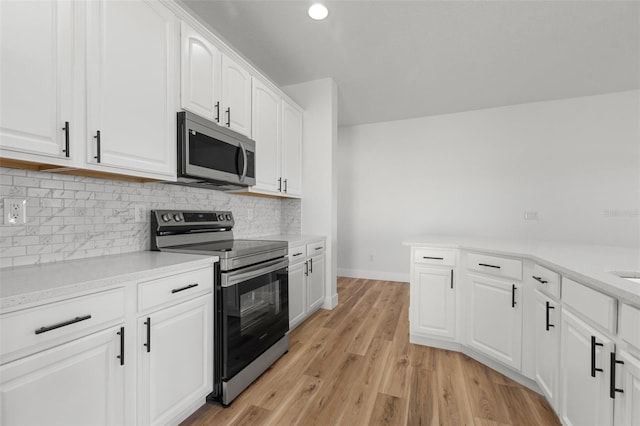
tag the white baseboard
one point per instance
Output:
(373, 275)
(330, 302)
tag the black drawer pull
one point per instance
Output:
(452, 278)
(433, 258)
(318, 248)
(297, 254)
(62, 324)
(612, 382)
(121, 356)
(310, 266)
(187, 287)
(549, 307)
(148, 324)
(593, 356)
(488, 266)
(513, 295)
(539, 279)
(306, 268)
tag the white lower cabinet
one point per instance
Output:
(547, 345)
(77, 383)
(174, 359)
(494, 321)
(306, 280)
(433, 312)
(627, 402)
(584, 373)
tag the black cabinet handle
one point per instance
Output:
(306, 268)
(66, 139)
(433, 258)
(297, 254)
(311, 266)
(121, 356)
(593, 356)
(148, 324)
(318, 248)
(97, 138)
(549, 307)
(452, 278)
(285, 185)
(217, 106)
(539, 279)
(612, 381)
(488, 266)
(279, 184)
(229, 117)
(62, 324)
(513, 295)
(187, 287)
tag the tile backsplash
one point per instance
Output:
(72, 217)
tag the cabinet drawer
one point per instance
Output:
(174, 288)
(315, 248)
(297, 253)
(630, 325)
(595, 306)
(52, 324)
(494, 265)
(434, 256)
(546, 280)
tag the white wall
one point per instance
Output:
(575, 161)
(319, 213)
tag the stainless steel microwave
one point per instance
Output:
(212, 156)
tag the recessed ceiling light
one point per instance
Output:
(318, 12)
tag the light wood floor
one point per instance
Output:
(354, 365)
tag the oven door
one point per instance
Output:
(255, 313)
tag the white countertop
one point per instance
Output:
(24, 286)
(293, 239)
(588, 264)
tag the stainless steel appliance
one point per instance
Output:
(251, 320)
(213, 156)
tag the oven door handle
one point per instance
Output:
(232, 278)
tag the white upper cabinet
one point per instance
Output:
(213, 85)
(266, 133)
(131, 82)
(36, 77)
(200, 70)
(291, 149)
(236, 96)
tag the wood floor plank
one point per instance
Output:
(354, 366)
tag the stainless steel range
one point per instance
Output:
(251, 319)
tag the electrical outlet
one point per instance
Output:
(15, 211)
(138, 211)
(531, 215)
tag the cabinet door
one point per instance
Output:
(297, 293)
(547, 345)
(434, 302)
(77, 383)
(36, 77)
(200, 74)
(495, 323)
(175, 370)
(266, 133)
(315, 288)
(585, 399)
(291, 149)
(236, 97)
(131, 71)
(627, 403)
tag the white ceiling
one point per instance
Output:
(402, 59)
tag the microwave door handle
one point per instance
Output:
(244, 169)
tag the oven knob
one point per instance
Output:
(228, 216)
(166, 217)
(220, 216)
(177, 217)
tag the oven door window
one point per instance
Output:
(255, 315)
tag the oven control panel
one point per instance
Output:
(213, 219)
